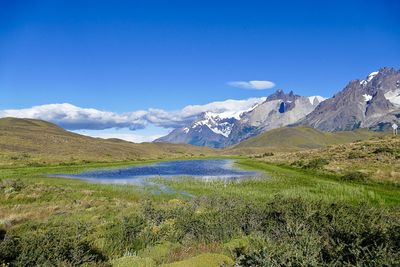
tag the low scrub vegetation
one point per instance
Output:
(313, 164)
(378, 158)
(291, 217)
(355, 176)
(282, 232)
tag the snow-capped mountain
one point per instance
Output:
(373, 103)
(370, 103)
(227, 128)
(277, 111)
(209, 129)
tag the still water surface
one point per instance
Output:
(209, 169)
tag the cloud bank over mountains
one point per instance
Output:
(72, 117)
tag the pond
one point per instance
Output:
(209, 169)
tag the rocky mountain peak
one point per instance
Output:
(373, 102)
(280, 95)
(365, 103)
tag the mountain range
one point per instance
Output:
(373, 103)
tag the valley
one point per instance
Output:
(314, 184)
(200, 133)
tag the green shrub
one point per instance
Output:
(316, 163)
(298, 163)
(383, 149)
(125, 236)
(12, 185)
(52, 246)
(355, 176)
(355, 155)
(258, 258)
(266, 154)
(281, 232)
(291, 232)
(9, 248)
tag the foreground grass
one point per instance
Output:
(292, 217)
(286, 182)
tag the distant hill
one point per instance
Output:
(35, 142)
(299, 138)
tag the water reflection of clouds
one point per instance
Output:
(207, 170)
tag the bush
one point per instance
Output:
(255, 258)
(9, 248)
(290, 231)
(266, 154)
(282, 232)
(355, 155)
(126, 235)
(299, 233)
(298, 163)
(12, 185)
(53, 246)
(383, 149)
(355, 176)
(316, 163)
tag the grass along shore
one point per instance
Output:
(294, 216)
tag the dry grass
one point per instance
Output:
(378, 158)
(26, 142)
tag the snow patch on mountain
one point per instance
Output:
(319, 98)
(215, 123)
(369, 78)
(235, 114)
(372, 75)
(393, 96)
(367, 97)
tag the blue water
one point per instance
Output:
(210, 169)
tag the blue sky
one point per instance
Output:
(124, 56)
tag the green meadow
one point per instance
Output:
(291, 217)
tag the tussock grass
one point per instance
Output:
(293, 216)
(378, 159)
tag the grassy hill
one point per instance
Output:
(377, 159)
(37, 142)
(300, 138)
(309, 199)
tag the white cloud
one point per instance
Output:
(136, 138)
(253, 85)
(72, 117)
(175, 119)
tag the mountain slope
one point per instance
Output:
(371, 103)
(299, 138)
(221, 130)
(29, 141)
(277, 111)
(208, 130)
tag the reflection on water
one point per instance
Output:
(210, 169)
